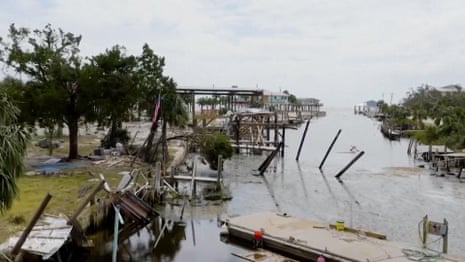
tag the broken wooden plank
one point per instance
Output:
(372, 234)
(197, 179)
(45, 240)
(31, 224)
(72, 220)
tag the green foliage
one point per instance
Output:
(292, 99)
(149, 78)
(114, 89)
(256, 104)
(447, 109)
(50, 60)
(214, 145)
(13, 142)
(151, 82)
(62, 89)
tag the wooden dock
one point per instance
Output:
(306, 240)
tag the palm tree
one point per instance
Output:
(13, 142)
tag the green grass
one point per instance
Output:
(63, 188)
(65, 195)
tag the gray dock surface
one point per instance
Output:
(308, 239)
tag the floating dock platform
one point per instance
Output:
(307, 240)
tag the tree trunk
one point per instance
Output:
(73, 125)
(73, 139)
(112, 133)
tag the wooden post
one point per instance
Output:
(173, 170)
(84, 204)
(268, 128)
(283, 141)
(31, 224)
(219, 175)
(238, 130)
(445, 237)
(425, 231)
(194, 121)
(349, 165)
(302, 140)
(265, 163)
(329, 149)
(268, 160)
(430, 152)
(193, 182)
(156, 182)
(410, 144)
(275, 128)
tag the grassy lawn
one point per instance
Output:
(65, 188)
(68, 189)
(65, 191)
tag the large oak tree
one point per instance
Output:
(49, 59)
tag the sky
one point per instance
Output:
(342, 52)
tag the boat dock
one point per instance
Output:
(307, 240)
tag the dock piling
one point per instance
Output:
(283, 139)
(329, 149)
(349, 165)
(219, 170)
(302, 140)
(193, 182)
(268, 160)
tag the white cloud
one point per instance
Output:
(342, 52)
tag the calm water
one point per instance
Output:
(383, 191)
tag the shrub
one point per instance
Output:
(214, 145)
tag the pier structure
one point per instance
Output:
(257, 132)
(307, 240)
(296, 112)
(239, 100)
(231, 94)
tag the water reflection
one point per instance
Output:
(170, 241)
(382, 191)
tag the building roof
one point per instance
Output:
(271, 93)
(450, 88)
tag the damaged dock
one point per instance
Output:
(307, 240)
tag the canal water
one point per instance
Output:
(383, 191)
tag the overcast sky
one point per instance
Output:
(342, 52)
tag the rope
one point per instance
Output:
(421, 237)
